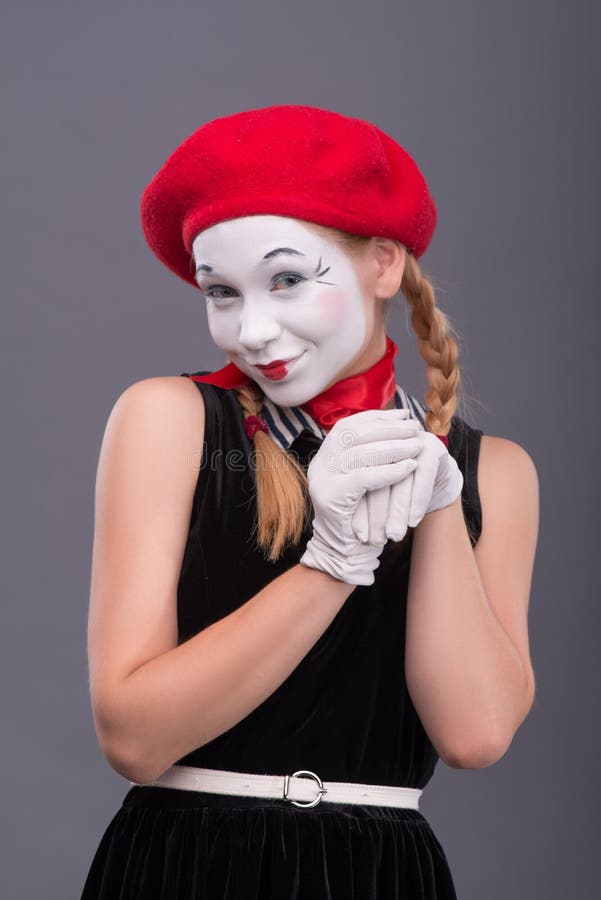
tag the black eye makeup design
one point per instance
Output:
(322, 272)
(208, 292)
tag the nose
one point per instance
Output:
(257, 325)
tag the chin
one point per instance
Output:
(281, 394)
(284, 394)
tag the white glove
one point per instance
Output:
(436, 482)
(383, 514)
(362, 452)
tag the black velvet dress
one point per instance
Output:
(344, 713)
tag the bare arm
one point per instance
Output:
(154, 701)
(467, 653)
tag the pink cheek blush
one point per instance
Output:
(332, 309)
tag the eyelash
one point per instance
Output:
(276, 278)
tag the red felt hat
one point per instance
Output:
(297, 161)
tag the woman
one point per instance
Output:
(307, 586)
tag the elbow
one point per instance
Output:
(475, 755)
(490, 746)
(132, 766)
(123, 753)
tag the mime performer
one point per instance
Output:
(308, 585)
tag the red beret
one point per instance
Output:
(297, 161)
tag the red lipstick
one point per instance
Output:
(277, 369)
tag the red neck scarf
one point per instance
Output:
(372, 389)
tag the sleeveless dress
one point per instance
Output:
(344, 713)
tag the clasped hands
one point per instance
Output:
(376, 474)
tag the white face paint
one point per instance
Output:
(303, 307)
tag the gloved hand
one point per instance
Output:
(388, 512)
(362, 452)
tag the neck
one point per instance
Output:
(370, 388)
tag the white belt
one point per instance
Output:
(302, 788)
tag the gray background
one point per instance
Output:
(499, 103)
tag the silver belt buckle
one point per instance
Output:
(306, 803)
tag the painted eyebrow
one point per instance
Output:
(288, 251)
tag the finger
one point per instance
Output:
(367, 415)
(360, 522)
(378, 453)
(399, 508)
(370, 478)
(377, 509)
(423, 485)
(375, 430)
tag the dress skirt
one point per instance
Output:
(185, 845)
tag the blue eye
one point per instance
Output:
(287, 275)
(221, 292)
(217, 287)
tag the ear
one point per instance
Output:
(391, 258)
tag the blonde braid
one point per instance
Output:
(283, 501)
(436, 345)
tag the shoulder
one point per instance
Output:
(503, 460)
(169, 395)
(150, 455)
(507, 481)
(155, 416)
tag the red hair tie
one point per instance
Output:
(252, 424)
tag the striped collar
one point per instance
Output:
(287, 422)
